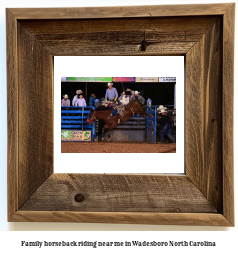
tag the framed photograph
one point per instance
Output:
(202, 34)
(138, 138)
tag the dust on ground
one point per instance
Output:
(103, 147)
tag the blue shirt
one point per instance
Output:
(111, 94)
(91, 101)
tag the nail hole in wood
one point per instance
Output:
(79, 198)
(213, 120)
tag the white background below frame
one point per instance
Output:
(119, 66)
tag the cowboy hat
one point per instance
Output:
(109, 84)
(161, 107)
(79, 91)
(136, 92)
(65, 96)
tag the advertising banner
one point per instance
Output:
(89, 79)
(167, 79)
(75, 135)
(122, 79)
(147, 79)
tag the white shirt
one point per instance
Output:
(125, 100)
(80, 102)
(74, 100)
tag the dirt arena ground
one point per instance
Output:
(103, 147)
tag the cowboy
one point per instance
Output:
(65, 101)
(139, 97)
(123, 93)
(122, 103)
(132, 95)
(165, 121)
(76, 97)
(160, 108)
(111, 93)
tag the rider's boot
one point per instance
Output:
(110, 116)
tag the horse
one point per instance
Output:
(133, 107)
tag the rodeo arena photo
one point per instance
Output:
(118, 115)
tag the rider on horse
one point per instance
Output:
(124, 100)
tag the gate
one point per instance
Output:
(136, 129)
(151, 124)
(74, 124)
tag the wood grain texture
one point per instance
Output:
(36, 114)
(114, 193)
(121, 11)
(203, 115)
(179, 25)
(59, 48)
(227, 119)
(12, 111)
(34, 37)
(119, 36)
(192, 219)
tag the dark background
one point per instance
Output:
(159, 93)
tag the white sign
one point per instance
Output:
(147, 79)
(167, 79)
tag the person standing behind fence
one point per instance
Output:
(80, 101)
(65, 101)
(140, 98)
(111, 93)
(165, 121)
(91, 99)
(75, 98)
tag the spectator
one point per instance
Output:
(76, 97)
(165, 121)
(80, 101)
(160, 108)
(65, 101)
(139, 97)
(91, 99)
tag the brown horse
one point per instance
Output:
(134, 107)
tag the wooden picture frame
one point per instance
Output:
(204, 34)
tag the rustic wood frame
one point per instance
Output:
(203, 33)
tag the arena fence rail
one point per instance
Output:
(74, 124)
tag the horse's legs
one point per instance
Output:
(112, 126)
(104, 128)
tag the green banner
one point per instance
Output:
(75, 135)
(88, 79)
